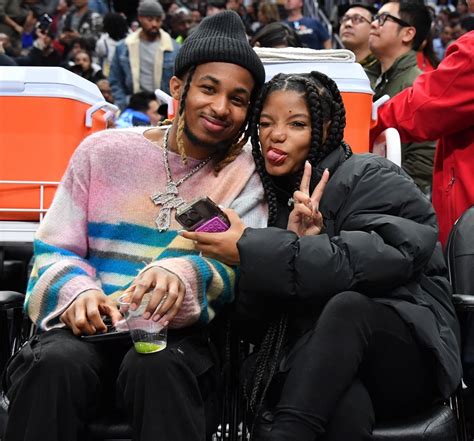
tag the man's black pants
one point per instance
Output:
(58, 382)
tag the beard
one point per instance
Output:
(219, 148)
(151, 33)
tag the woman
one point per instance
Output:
(360, 325)
(84, 67)
(115, 28)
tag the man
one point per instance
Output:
(113, 218)
(441, 105)
(43, 53)
(105, 90)
(354, 33)
(441, 43)
(15, 18)
(397, 32)
(144, 60)
(311, 32)
(81, 21)
(181, 22)
(141, 111)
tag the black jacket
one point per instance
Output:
(380, 239)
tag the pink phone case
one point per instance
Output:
(214, 225)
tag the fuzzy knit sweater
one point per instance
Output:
(100, 230)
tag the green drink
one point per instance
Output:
(143, 347)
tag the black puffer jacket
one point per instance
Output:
(380, 239)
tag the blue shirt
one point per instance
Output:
(311, 32)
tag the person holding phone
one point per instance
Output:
(111, 229)
(346, 289)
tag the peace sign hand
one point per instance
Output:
(305, 218)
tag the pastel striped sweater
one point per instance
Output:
(100, 233)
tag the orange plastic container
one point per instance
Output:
(45, 114)
(349, 76)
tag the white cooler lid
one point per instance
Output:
(47, 82)
(338, 64)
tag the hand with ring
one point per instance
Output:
(167, 294)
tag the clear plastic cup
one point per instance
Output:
(148, 336)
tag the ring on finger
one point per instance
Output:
(163, 300)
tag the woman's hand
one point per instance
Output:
(167, 294)
(220, 246)
(305, 218)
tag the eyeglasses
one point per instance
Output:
(382, 18)
(356, 19)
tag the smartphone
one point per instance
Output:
(110, 334)
(202, 215)
(44, 23)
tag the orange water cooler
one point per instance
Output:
(340, 65)
(45, 113)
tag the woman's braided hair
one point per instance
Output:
(239, 141)
(325, 106)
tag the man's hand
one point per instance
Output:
(167, 294)
(220, 246)
(84, 314)
(305, 218)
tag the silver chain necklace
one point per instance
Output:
(170, 199)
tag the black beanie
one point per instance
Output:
(220, 38)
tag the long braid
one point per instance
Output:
(181, 115)
(267, 182)
(329, 91)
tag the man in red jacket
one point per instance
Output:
(440, 105)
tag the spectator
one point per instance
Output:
(267, 13)
(43, 52)
(397, 32)
(100, 231)
(181, 22)
(441, 105)
(214, 7)
(105, 90)
(196, 16)
(237, 6)
(426, 56)
(15, 18)
(84, 67)
(142, 110)
(311, 32)
(115, 29)
(441, 43)
(354, 33)
(462, 9)
(80, 21)
(5, 60)
(357, 310)
(467, 25)
(276, 35)
(144, 60)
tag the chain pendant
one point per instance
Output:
(168, 195)
(169, 203)
(169, 199)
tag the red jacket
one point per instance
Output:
(440, 105)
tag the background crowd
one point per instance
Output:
(128, 47)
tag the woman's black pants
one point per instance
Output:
(58, 382)
(359, 364)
